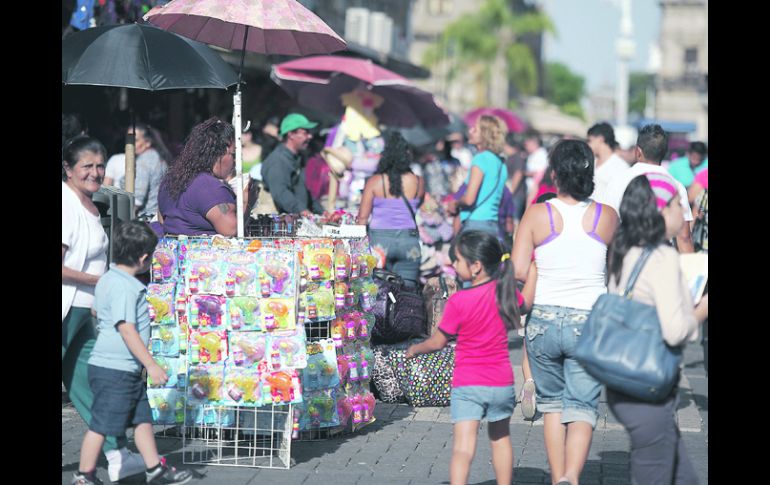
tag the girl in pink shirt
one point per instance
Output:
(482, 383)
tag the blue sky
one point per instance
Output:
(587, 32)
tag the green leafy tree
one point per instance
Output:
(564, 88)
(638, 83)
(491, 36)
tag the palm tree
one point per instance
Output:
(488, 45)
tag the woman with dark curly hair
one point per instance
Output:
(651, 215)
(569, 235)
(391, 197)
(194, 196)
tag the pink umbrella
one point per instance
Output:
(265, 26)
(515, 124)
(318, 82)
(262, 26)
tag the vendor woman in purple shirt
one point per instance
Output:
(392, 230)
(194, 196)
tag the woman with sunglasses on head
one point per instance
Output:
(194, 196)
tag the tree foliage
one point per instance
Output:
(564, 88)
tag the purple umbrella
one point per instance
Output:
(514, 123)
(318, 82)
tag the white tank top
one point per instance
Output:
(571, 265)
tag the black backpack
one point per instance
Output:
(399, 311)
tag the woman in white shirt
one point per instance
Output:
(84, 260)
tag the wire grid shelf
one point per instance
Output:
(250, 437)
(315, 331)
(265, 225)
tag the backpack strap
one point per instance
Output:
(636, 271)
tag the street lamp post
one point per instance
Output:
(625, 48)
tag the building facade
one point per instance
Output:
(682, 82)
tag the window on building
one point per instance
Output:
(440, 7)
(691, 59)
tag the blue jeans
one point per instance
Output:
(120, 400)
(491, 227)
(472, 403)
(400, 250)
(563, 385)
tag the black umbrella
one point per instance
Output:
(420, 136)
(141, 57)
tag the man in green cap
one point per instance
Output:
(282, 173)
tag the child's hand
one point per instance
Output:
(157, 375)
(410, 353)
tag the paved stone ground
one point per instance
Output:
(413, 446)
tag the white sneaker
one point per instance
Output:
(528, 402)
(124, 463)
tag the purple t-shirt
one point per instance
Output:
(187, 215)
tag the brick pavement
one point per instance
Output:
(413, 446)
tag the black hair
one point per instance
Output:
(72, 125)
(72, 149)
(533, 135)
(131, 241)
(573, 166)
(207, 142)
(641, 224)
(544, 197)
(396, 160)
(156, 141)
(605, 131)
(653, 141)
(699, 147)
(485, 248)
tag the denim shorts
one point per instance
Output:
(120, 401)
(563, 385)
(469, 403)
(400, 249)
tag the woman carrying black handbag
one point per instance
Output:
(651, 214)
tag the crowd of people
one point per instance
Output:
(567, 223)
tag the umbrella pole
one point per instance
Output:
(240, 217)
(131, 155)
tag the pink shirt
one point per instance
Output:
(702, 178)
(481, 356)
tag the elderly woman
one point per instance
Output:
(569, 235)
(479, 205)
(194, 196)
(84, 260)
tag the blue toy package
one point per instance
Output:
(169, 364)
(276, 273)
(241, 274)
(164, 266)
(318, 410)
(205, 272)
(204, 384)
(207, 312)
(207, 415)
(160, 303)
(246, 349)
(288, 350)
(321, 370)
(242, 386)
(166, 405)
(164, 341)
(244, 313)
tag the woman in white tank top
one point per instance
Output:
(569, 237)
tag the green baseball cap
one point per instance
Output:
(295, 121)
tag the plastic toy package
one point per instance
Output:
(278, 314)
(207, 347)
(205, 272)
(281, 388)
(164, 261)
(160, 303)
(207, 312)
(317, 258)
(164, 341)
(321, 371)
(242, 386)
(318, 302)
(171, 365)
(319, 410)
(241, 273)
(276, 273)
(166, 405)
(205, 415)
(244, 313)
(204, 384)
(247, 349)
(288, 351)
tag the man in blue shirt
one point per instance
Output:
(684, 168)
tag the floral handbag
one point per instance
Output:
(426, 380)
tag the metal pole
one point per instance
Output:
(238, 147)
(131, 156)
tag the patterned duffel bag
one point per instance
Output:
(425, 380)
